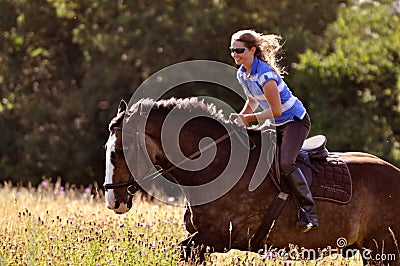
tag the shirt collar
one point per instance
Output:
(253, 66)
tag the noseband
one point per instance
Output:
(128, 184)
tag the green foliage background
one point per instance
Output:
(65, 65)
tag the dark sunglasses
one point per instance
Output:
(238, 50)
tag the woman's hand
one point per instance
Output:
(239, 119)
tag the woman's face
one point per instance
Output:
(241, 54)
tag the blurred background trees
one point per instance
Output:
(352, 84)
(65, 65)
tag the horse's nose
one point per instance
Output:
(111, 202)
(113, 205)
(121, 208)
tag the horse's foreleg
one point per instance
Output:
(193, 248)
(190, 250)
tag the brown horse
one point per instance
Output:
(231, 214)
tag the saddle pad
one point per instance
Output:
(332, 181)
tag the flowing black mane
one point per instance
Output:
(116, 121)
(192, 104)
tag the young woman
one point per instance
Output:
(260, 76)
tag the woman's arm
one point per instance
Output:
(271, 94)
(250, 106)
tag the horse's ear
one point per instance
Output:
(122, 106)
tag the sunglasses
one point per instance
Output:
(238, 50)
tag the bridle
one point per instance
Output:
(129, 184)
(132, 185)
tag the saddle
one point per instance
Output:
(326, 173)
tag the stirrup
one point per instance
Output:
(304, 228)
(306, 224)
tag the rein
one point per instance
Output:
(192, 156)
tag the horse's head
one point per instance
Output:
(119, 183)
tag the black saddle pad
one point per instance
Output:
(332, 180)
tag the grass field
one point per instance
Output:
(53, 225)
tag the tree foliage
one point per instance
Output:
(65, 64)
(353, 84)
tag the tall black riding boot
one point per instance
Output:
(308, 213)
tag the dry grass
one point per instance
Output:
(51, 225)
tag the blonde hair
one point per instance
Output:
(268, 47)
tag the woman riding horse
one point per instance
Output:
(260, 77)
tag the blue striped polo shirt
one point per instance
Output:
(253, 85)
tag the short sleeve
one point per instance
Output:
(270, 75)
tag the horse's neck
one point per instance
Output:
(176, 148)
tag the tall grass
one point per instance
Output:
(52, 225)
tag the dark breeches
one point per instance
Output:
(291, 137)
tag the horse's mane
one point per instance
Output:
(192, 104)
(116, 121)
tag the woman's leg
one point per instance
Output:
(293, 135)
